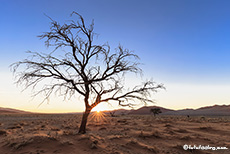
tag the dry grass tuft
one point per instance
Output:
(136, 144)
(3, 132)
(206, 128)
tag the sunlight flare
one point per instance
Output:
(98, 116)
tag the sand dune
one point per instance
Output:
(12, 111)
(215, 110)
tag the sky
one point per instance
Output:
(183, 44)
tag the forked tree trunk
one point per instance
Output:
(82, 129)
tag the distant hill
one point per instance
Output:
(146, 110)
(11, 111)
(221, 110)
(216, 110)
(118, 111)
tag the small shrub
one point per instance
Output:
(3, 132)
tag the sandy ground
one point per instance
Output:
(128, 134)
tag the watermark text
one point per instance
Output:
(202, 147)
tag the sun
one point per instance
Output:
(98, 110)
(98, 115)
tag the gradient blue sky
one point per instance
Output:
(183, 44)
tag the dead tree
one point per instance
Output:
(112, 113)
(155, 111)
(79, 66)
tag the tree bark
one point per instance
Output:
(85, 115)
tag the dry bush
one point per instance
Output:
(185, 137)
(156, 134)
(17, 142)
(136, 144)
(180, 130)
(167, 125)
(206, 128)
(3, 132)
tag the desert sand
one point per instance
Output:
(124, 134)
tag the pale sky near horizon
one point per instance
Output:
(183, 44)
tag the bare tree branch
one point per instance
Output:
(82, 67)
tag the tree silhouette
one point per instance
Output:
(112, 113)
(81, 67)
(155, 111)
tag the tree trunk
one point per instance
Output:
(82, 129)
